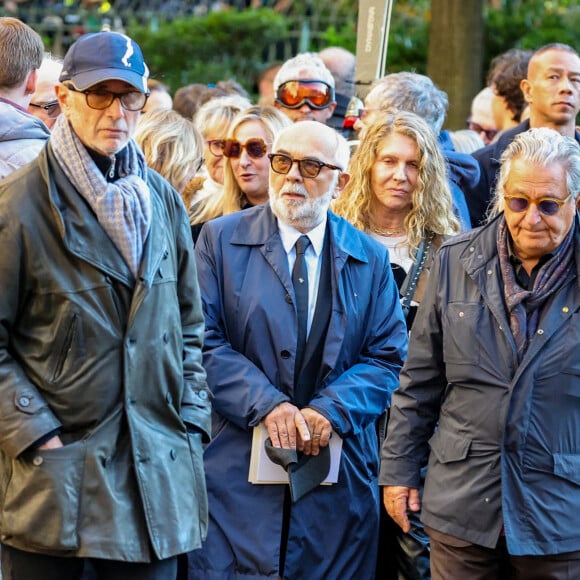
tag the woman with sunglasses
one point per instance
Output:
(247, 168)
(398, 193)
(213, 120)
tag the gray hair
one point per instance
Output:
(541, 147)
(304, 63)
(408, 91)
(219, 111)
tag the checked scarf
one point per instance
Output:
(123, 207)
(524, 305)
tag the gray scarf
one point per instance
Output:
(122, 207)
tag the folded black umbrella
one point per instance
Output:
(305, 472)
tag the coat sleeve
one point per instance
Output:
(243, 393)
(195, 406)
(359, 391)
(25, 416)
(416, 403)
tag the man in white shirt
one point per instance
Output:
(311, 354)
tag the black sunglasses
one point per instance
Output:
(52, 108)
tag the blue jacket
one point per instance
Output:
(462, 175)
(22, 136)
(506, 452)
(250, 348)
(480, 195)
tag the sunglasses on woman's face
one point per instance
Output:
(294, 94)
(216, 147)
(255, 148)
(546, 205)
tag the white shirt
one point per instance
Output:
(312, 256)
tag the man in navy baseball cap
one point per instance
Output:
(102, 56)
(106, 401)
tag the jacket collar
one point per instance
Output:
(482, 247)
(258, 226)
(86, 239)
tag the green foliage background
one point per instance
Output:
(237, 45)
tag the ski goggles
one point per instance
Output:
(255, 148)
(546, 205)
(315, 94)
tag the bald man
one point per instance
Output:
(335, 385)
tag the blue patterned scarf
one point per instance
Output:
(123, 207)
(524, 305)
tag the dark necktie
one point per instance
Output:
(300, 282)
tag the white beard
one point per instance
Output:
(302, 214)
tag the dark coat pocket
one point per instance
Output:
(449, 447)
(41, 504)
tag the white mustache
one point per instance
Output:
(295, 190)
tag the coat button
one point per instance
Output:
(486, 500)
(285, 354)
(38, 460)
(540, 331)
(202, 395)
(24, 401)
(165, 338)
(173, 454)
(288, 298)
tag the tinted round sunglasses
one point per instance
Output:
(255, 148)
(546, 205)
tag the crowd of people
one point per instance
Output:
(199, 286)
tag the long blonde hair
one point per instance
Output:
(432, 206)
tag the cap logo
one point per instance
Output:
(128, 54)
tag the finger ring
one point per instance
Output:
(316, 435)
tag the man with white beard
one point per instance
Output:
(305, 334)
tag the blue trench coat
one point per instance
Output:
(249, 357)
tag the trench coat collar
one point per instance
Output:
(258, 227)
(481, 262)
(84, 236)
(482, 247)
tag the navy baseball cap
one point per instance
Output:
(104, 56)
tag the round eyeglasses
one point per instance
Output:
(309, 168)
(546, 205)
(100, 99)
(255, 148)
(216, 147)
(489, 133)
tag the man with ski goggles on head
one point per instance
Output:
(304, 89)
